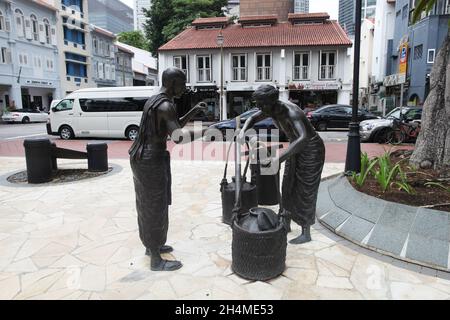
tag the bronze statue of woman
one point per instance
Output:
(305, 157)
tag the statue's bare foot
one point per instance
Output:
(164, 249)
(301, 239)
(166, 265)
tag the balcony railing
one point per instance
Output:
(204, 75)
(327, 72)
(301, 72)
(264, 73)
(239, 74)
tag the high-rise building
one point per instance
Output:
(281, 8)
(301, 6)
(139, 15)
(112, 15)
(347, 13)
(74, 45)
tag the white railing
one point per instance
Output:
(301, 72)
(204, 75)
(239, 74)
(264, 73)
(327, 72)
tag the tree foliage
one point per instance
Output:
(167, 18)
(134, 38)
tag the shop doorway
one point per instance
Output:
(313, 99)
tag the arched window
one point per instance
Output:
(48, 31)
(34, 27)
(20, 23)
(2, 22)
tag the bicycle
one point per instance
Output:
(402, 131)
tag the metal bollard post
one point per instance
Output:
(38, 154)
(97, 157)
(54, 158)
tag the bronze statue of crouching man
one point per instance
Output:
(305, 157)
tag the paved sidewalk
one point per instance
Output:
(335, 151)
(80, 241)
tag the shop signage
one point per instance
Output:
(314, 86)
(394, 80)
(206, 89)
(36, 82)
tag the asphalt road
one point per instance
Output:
(38, 130)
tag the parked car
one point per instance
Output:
(266, 124)
(376, 130)
(336, 116)
(25, 116)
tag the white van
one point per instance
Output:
(100, 113)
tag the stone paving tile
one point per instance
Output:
(335, 217)
(94, 252)
(392, 229)
(430, 250)
(356, 228)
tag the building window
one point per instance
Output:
(20, 23)
(418, 52)
(181, 62)
(204, 68)
(405, 12)
(301, 66)
(431, 55)
(73, 4)
(2, 22)
(74, 36)
(76, 69)
(239, 67)
(95, 44)
(263, 67)
(34, 27)
(327, 65)
(48, 31)
(23, 59)
(5, 56)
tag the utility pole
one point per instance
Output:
(353, 161)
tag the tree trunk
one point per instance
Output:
(433, 144)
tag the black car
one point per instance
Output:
(336, 116)
(264, 127)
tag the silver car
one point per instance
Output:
(375, 130)
(25, 116)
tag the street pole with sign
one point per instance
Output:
(353, 161)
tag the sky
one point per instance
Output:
(330, 6)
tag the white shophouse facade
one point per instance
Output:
(305, 74)
(28, 55)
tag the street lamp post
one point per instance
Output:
(353, 161)
(223, 110)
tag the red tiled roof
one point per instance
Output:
(248, 19)
(213, 20)
(330, 33)
(308, 16)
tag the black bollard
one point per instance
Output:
(54, 158)
(97, 157)
(38, 154)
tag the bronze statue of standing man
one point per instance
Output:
(150, 163)
(305, 157)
